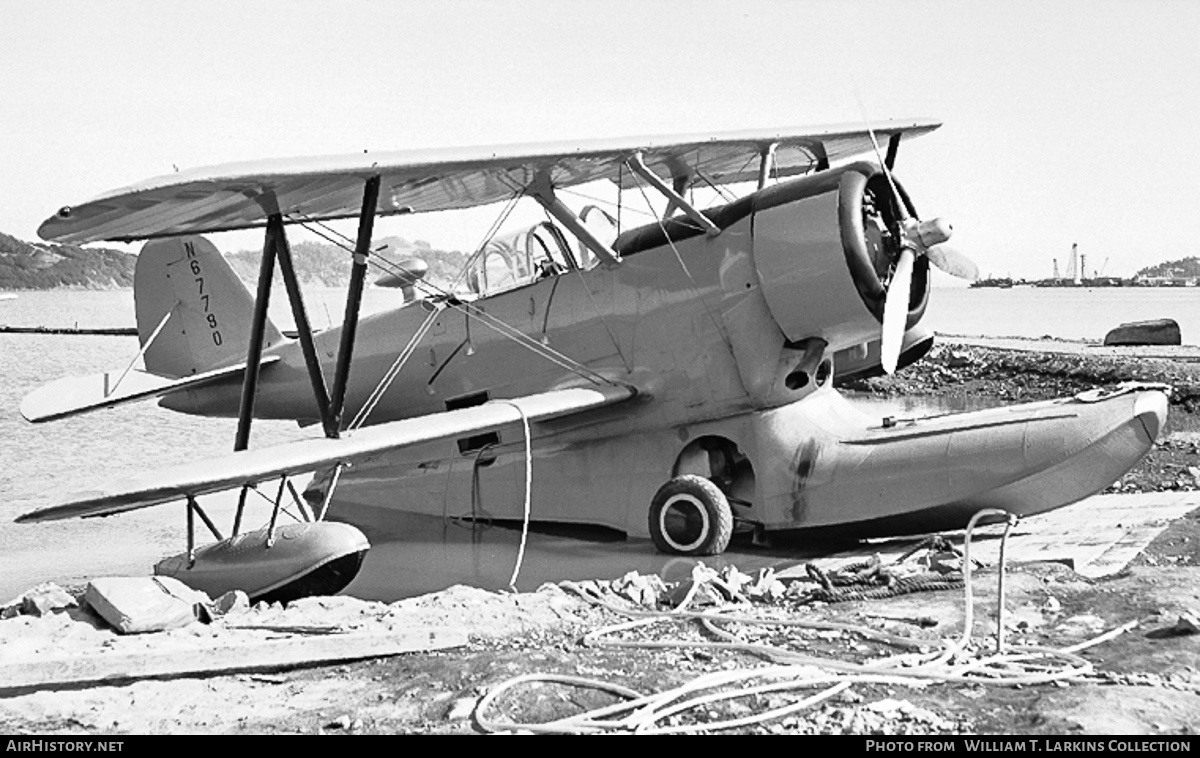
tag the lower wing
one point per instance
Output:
(251, 466)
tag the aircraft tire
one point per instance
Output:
(689, 515)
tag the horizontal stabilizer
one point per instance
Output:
(73, 395)
(252, 466)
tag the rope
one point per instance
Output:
(879, 581)
(512, 582)
(905, 586)
(789, 670)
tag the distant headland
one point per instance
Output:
(47, 266)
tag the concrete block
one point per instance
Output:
(133, 605)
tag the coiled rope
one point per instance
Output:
(789, 670)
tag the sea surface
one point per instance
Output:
(41, 463)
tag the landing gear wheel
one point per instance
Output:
(689, 515)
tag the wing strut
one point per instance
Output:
(766, 164)
(542, 190)
(329, 405)
(362, 248)
(266, 272)
(277, 237)
(673, 198)
(893, 146)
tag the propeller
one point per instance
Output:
(954, 263)
(916, 238)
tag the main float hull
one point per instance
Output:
(819, 463)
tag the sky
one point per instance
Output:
(1064, 122)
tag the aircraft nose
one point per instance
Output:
(1151, 409)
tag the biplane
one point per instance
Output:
(670, 380)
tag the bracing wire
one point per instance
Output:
(599, 314)
(390, 375)
(602, 201)
(686, 272)
(558, 358)
(381, 262)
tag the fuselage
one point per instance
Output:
(687, 320)
(728, 341)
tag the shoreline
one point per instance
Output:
(1048, 344)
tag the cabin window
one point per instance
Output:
(478, 441)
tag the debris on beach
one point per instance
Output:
(1162, 331)
(38, 601)
(635, 632)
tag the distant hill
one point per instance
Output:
(1183, 268)
(324, 264)
(43, 266)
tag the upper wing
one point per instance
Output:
(243, 195)
(250, 466)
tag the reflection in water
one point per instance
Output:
(413, 554)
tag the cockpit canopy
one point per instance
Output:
(537, 252)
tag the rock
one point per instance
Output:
(1189, 623)
(1163, 331)
(646, 590)
(231, 603)
(958, 359)
(45, 598)
(766, 586)
(462, 708)
(945, 562)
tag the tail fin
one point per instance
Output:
(206, 308)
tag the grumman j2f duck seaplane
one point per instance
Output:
(671, 381)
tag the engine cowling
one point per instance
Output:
(824, 248)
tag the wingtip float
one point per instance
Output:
(728, 324)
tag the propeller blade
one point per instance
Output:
(895, 311)
(953, 262)
(901, 210)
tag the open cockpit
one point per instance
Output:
(535, 253)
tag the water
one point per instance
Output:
(44, 462)
(1070, 313)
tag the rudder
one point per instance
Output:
(211, 309)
